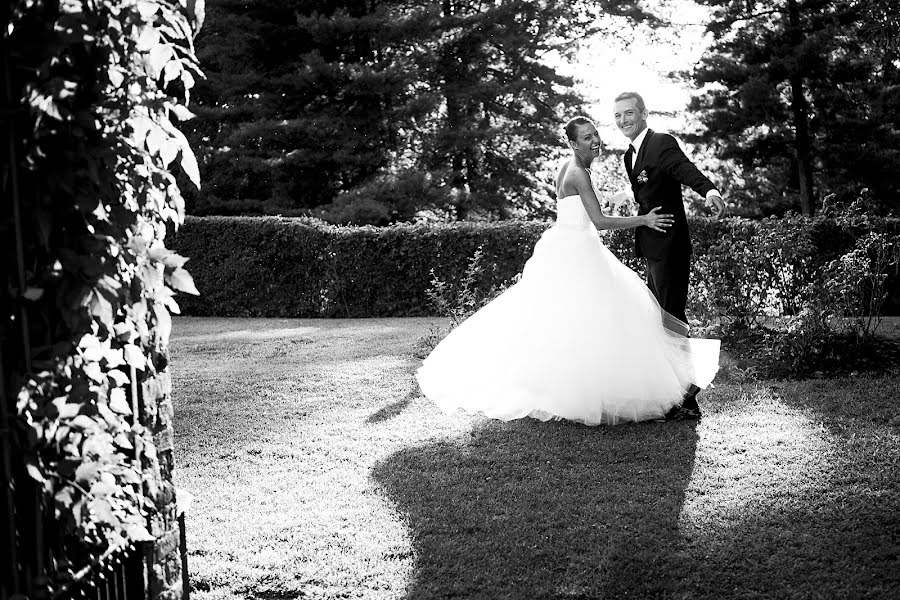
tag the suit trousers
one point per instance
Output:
(668, 279)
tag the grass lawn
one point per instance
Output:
(318, 471)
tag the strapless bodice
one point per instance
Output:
(570, 211)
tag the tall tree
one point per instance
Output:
(881, 22)
(368, 110)
(785, 82)
(304, 98)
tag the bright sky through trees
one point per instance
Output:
(603, 67)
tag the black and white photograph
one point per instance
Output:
(450, 299)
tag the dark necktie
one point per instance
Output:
(629, 159)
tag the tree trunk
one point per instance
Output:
(800, 111)
(455, 120)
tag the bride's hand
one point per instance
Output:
(658, 222)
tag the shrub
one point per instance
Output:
(281, 267)
(301, 267)
(95, 92)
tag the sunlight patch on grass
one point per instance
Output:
(249, 336)
(319, 471)
(752, 450)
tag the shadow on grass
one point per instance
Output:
(543, 510)
(394, 408)
(834, 533)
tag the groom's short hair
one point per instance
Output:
(628, 95)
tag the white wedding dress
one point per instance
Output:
(579, 337)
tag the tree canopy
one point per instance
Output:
(369, 111)
(802, 95)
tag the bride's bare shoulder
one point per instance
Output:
(563, 169)
(570, 179)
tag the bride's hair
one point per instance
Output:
(572, 126)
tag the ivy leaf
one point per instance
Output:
(147, 38)
(152, 276)
(46, 105)
(111, 418)
(182, 281)
(104, 513)
(175, 261)
(86, 473)
(118, 402)
(147, 9)
(116, 77)
(35, 473)
(91, 347)
(64, 498)
(181, 112)
(160, 54)
(163, 293)
(170, 303)
(121, 440)
(132, 476)
(114, 358)
(134, 357)
(101, 308)
(93, 370)
(101, 489)
(172, 71)
(189, 164)
(118, 377)
(187, 79)
(66, 409)
(168, 151)
(163, 322)
(124, 331)
(156, 138)
(138, 533)
(85, 422)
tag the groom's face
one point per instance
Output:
(630, 119)
(587, 142)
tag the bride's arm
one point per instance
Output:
(653, 220)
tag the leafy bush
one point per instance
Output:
(100, 87)
(287, 267)
(281, 267)
(828, 280)
(459, 300)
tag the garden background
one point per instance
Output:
(360, 176)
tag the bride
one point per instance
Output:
(580, 336)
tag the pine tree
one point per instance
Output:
(371, 110)
(304, 98)
(793, 94)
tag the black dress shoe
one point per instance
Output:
(680, 413)
(690, 399)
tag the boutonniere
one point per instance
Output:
(642, 177)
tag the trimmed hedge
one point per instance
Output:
(296, 267)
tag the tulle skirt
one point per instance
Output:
(579, 337)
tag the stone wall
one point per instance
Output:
(165, 577)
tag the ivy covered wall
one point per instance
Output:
(94, 94)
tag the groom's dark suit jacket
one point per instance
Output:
(665, 167)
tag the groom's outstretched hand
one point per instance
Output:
(718, 205)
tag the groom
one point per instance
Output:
(657, 168)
